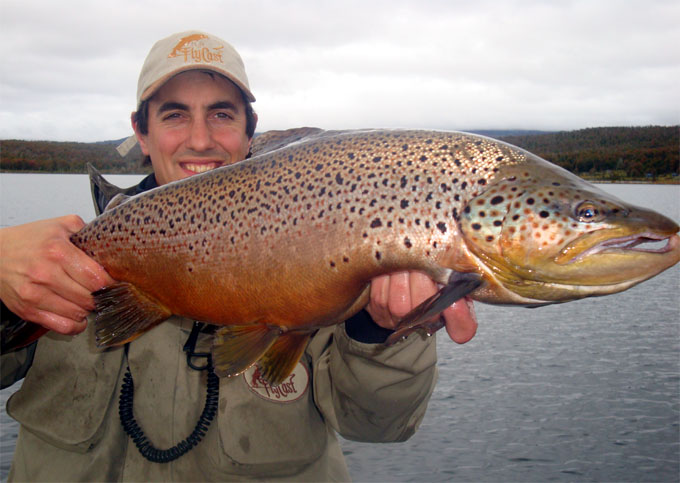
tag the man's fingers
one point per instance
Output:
(379, 296)
(57, 323)
(399, 300)
(461, 321)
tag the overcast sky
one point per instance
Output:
(69, 68)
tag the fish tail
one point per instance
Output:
(123, 313)
(17, 333)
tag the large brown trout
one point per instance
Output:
(276, 246)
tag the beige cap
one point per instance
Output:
(186, 51)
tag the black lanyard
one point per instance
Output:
(132, 429)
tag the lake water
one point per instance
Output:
(585, 391)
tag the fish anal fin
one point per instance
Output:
(280, 360)
(123, 313)
(236, 348)
(459, 285)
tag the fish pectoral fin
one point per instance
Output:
(236, 348)
(458, 286)
(280, 360)
(123, 313)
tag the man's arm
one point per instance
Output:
(370, 392)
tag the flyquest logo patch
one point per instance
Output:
(292, 389)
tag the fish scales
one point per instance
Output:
(315, 219)
(276, 246)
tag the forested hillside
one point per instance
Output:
(67, 157)
(610, 153)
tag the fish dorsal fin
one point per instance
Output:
(458, 286)
(273, 140)
(103, 192)
(236, 348)
(123, 313)
(280, 360)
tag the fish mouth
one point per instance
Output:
(640, 242)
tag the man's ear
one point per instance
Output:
(250, 141)
(141, 138)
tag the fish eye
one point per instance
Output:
(587, 211)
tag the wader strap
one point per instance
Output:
(132, 429)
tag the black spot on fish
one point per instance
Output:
(497, 223)
(407, 242)
(378, 255)
(338, 179)
(497, 200)
(403, 182)
(442, 227)
(404, 204)
(476, 226)
(530, 201)
(544, 214)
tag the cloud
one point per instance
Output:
(431, 64)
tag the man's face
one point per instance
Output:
(197, 122)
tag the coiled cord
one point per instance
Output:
(146, 449)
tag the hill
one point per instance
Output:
(609, 153)
(606, 153)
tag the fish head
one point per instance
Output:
(543, 235)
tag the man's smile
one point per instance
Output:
(200, 167)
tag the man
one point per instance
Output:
(194, 114)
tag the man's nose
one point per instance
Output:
(200, 136)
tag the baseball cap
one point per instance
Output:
(184, 51)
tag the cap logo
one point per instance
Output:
(292, 389)
(191, 52)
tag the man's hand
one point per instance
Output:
(44, 278)
(395, 295)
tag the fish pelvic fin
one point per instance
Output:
(281, 358)
(123, 313)
(458, 286)
(236, 348)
